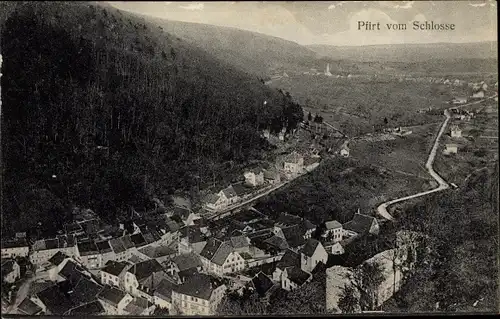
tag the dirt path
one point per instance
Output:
(382, 208)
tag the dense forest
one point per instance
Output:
(102, 110)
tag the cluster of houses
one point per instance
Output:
(257, 179)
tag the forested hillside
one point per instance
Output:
(103, 110)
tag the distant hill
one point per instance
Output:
(409, 52)
(103, 110)
(252, 52)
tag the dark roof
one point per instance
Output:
(138, 240)
(187, 261)
(294, 236)
(183, 274)
(85, 291)
(182, 212)
(290, 258)
(117, 245)
(297, 275)
(288, 219)
(200, 286)
(157, 251)
(127, 242)
(71, 271)
(307, 224)
(56, 299)
(144, 269)
(360, 223)
(72, 227)
(241, 189)
(114, 268)
(310, 247)
(160, 312)
(216, 251)
(58, 258)
(277, 242)
(173, 226)
(103, 246)
(229, 192)
(38, 286)
(239, 241)
(91, 308)
(112, 295)
(28, 307)
(262, 283)
(137, 306)
(87, 248)
(164, 289)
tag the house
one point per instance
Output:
(295, 236)
(450, 149)
(459, 100)
(139, 307)
(478, 93)
(114, 300)
(311, 254)
(344, 151)
(113, 273)
(294, 277)
(272, 176)
(455, 131)
(187, 215)
(44, 249)
(10, 271)
(90, 256)
(311, 162)
(254, 177)
(72, 272)
(198, 295)
(15, 248)
(222, 199)
(293, 163)
(160, 253)
(361, 225)
(139, 273)
(263, 285)
(218, 257)
(93, 308)
(138, 240)
(120, 252)
(240, 244)
(163, 294)
(28, 307)
(192, 240)
(184, 262)
(275, 244)
(334, 228)
(289, 259)
(57, 263)
(243, 191)
(337, 249)
(105, 251)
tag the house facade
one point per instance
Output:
(293, 163)
(10, 271)
(17, 248)
(312, 253)
(219, 258)
(114, 300)
(333, 229)
(254, 177)
(361, 225)
(44, 249)
(198, 295)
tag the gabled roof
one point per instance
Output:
(307, 224)
(72, 272)
(310, 247)
(28, 307)
(187, 261)
(239, 241)
(289, 259)
(242, 190)
(92, 308)
(157, 251)
(294, 236)
(114, 268)
(127, 242)
(216, 251)
(87, 248)
(137, 306)
(57, 258)
(103, 247)
(297, 275)
(56, 299)
(193, 233)
(117, 245)
(277, 242)
(145, 269)
(211, 198)
(182, 212)
(360, 223)
(271, 174)
(164, 289)
(199, 286)
(229, 192)
(112, 295)
(262, 283)
(7, 267)
(333, 224)
(138, 240)
(85, 291)
(15, 243)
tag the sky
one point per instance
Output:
(336, 22)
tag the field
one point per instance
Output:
(355, 105)
(404, 155)
(477, 148)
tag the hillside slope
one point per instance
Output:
(252, 52)
(103, 110)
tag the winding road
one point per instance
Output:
(382, 208)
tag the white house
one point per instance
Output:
(344, 151)
(140, 273)
(455, 131)
(119, 250)
(57, 263)
(450, 149)
(311, 254)
(334, 228)
(139, 306)
(89, 255)
(198, 295)
(221, 200)
(219, 257)
(478, 93)
(163, 294)
(15, 248)
(337, 249)
(113, 273)
(114, 300)
(254, 177)
(293, 163)
(44, 249)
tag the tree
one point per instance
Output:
(349, 300)
(246, 304)
(368, 278)
(309, 117)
